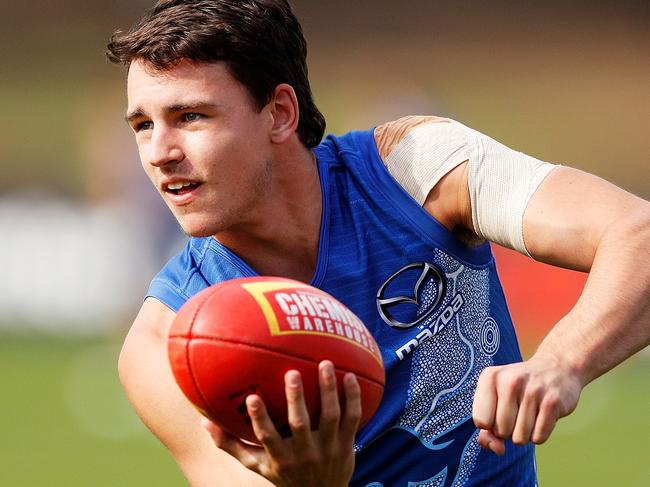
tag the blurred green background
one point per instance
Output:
(568, 83)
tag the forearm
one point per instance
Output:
(149, 384)
(611, 320)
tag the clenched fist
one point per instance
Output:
(523, 401)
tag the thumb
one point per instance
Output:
(490, 441)
(249, 455)
(217, 434)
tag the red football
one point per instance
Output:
(241, 336)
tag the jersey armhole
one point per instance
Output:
(430, 228)
(167, 294)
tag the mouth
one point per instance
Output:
(180, 188)
(181, 192)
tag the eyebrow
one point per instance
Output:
(180, 107)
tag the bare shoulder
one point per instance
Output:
(153, 318)
(149, 384)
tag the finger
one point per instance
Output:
(248, 455)
(263, 427)
(352, 415)
(299, 420)
(489, 441)
(330, 414)
(217, 434)
(508, 397)
(546, 419)
(485, 399)
(526, 417)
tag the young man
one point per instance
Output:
(393, 222)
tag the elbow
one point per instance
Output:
(632, 226)
(625, 241)
(636, 223)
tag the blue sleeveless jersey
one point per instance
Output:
(435, 307)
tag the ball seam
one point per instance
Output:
(187, 351)
(268, 349)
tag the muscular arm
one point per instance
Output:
(149, 384)
(578, 221)
(475, 186)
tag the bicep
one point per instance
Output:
(148, 381)
(570, 213)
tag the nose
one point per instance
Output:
(164, 148)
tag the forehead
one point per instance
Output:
(148, 88)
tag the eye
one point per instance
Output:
(192, 117)
(140, 126)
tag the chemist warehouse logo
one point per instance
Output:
(291, 308)
(411, 297)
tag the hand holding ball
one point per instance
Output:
(240, 337)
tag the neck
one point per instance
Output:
(282, 234)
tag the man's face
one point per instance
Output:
(202, 142)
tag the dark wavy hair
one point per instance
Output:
(260, 41)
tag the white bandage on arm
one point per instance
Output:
(501, 181)
(425, 154)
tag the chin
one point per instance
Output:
(198, 231)
(199, 227)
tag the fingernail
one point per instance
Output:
(252, 403)
(293, 379)
(328, 372)
(325, 364)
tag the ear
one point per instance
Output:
(285, 112)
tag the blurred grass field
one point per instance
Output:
(563, 81)
(65, 422)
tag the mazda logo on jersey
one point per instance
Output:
(411, 295)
